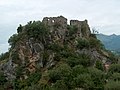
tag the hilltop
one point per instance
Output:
(53, 55)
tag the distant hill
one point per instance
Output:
(111, 42)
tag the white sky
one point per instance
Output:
(104, 15)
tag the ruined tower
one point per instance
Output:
(57, 26)
(83, 28)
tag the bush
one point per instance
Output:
(19, 29)
(95, 43)
(85, 60)
(61, 73)
(2, 78)
(81, 59)
(99, 65)
(33, 78)
(59, 85)
(113, 58)
(72, 61)
(19, 71)
(114, 68)
(113, 85)
(55, 47)
(15, 57)
(98, 77)
(25, 83)
(83, 81)
(83, 43)
(14, 39)
(78, 69)
(115, 77)
(37, 30)
(4, 56)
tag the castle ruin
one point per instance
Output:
(61, 23)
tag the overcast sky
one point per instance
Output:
(104, 15)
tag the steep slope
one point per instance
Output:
(52, 55)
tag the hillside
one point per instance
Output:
(111, 42)
(53, 55)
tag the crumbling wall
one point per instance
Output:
(62, 21)
(83, 27)
(57, 27)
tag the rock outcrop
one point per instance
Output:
(34, 53)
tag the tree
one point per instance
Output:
(19, 29)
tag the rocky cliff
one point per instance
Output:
(43, 45)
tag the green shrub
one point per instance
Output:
(115, 77)
(4, 56)
(85, 60)
(19, 71)
(83, 43)
(37, 30)
(72, 61)
(14, 39)
(81, 59)
(98, 77)
(59, 85)
(15, 57)
(2, 79)
(55, 47)
(19, 29)
(33, 78)
(95, 43)
(112, 85)
(25, 83)
(113, 58)
(114, 68)
(99, 65)
(79, 69)
(83, 81)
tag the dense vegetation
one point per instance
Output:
(73, 70)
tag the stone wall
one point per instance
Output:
(58, 25)
(62, 21)
(83, 27)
